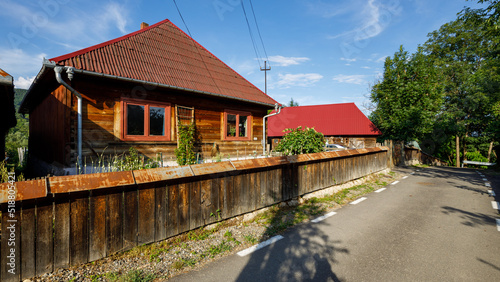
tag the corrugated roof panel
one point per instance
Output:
(331, 120)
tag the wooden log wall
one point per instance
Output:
(69, 220)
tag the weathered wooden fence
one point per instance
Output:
(68, 220)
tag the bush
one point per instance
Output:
(185, 153)
(301, 141)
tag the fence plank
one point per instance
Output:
(130, 220)
(10, 233)
(183, 207)
(114, 222)
(173, 211)
(146, 219)
(237, 182)
(195, 213)
(227, 186)
(214, 199)
(97, 227)
(44, 236)
(28, 231)
(79, 228)
(161, 213)
(61, 230)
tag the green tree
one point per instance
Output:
(301, 141)
(408, 97)
(459, 51)
(293, 103)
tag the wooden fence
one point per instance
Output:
(68, 220)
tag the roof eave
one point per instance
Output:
(155, 84)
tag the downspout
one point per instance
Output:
(277, 108)
(70, 72)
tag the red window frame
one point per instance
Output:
(146, 105)
(237, 114)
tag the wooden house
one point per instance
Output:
(7, 111)
(134, 91)
(342, 124)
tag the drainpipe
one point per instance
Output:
(70, 71)
(277, 108)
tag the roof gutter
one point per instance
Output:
(70, 71)
(277, 108)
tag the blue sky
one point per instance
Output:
(320, 51)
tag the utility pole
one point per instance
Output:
(265, 69)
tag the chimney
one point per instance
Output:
(144, 25)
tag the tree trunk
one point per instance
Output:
(489, 150)
(457, 141)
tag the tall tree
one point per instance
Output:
(407, 98)
(458, 51)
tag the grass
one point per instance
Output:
(131, 276)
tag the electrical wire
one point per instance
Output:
(251, 34)
(197, 49)
(258, 30)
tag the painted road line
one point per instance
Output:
(412, 173)
(380, 190)
(358, 201)
(395, 182)
(417, 170)
(495, 205)
(491, 192)
(498, 224)
(487, 184)
(260, 246)
(484, 179)
(405, 177)
(323, 217)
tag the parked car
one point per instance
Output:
(334, 147)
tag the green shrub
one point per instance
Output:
(301, 141)
(185, 151)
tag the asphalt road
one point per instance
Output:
(438, 224)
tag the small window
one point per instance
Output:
(237, 125)
(144, 120)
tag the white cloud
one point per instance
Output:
(18, 63)
(351, 79)
(348, 60)
(300, 79)
(287, 61)
(365, 67)
(66, 22)
(23, 83)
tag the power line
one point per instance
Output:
(258, 30)
(251, 34)
(182, 18)
(196, 47)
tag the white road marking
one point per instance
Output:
(395, 182)
(380, 190)
(495, 205)
(358, 201)
(487, 184)
(484, 179)
(491, 192)
(405, 177)
(323, 217)
(498, 224)
(260, 246)
(412, 173)
(417, 170)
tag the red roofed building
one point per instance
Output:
(134, 91)
(342, 124)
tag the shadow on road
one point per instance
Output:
(470, 219)
(305, 254)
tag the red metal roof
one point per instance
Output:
(331, 120)
(163, 53)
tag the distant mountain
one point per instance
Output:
(18, 97)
